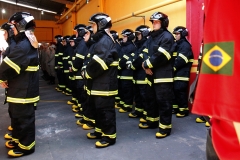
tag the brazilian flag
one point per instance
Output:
(218, 58)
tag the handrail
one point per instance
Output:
(70, 10)
(164, 3)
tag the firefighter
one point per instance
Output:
(19, 73)
(182, 66)
(126, 75)
(139, 75)
(80, 52)
(102, 70)
(118, 47)
(159, 69)
(68, 51)
(88, 109)
(9, 37)
(58, 63)
(72, 80)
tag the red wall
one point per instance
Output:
(195, 14)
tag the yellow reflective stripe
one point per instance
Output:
(71, 78)
(61, 86)
(126, 57)
(15, 140)
(110, 135)
(126, 77)
(12, 64)
(132, 67)
(80, 56)
(74, 69)
(149, 83)
(141, 81)
(98, 130)
(145, 113)
(114, 63)
(183, 57)
(181, 78)
(191, 60)
(160, 80)
(160, 49)
(175, 106)
(22, 100)
(174, 54)
(121, 102)
(84, 67)
(149, 64)
(104, 93)
(145, 50)
(60, 63)
(101, 62)
(139, 109)
(174, 69)
(73, 58)
(78, 77)
(165, 126)
(119, 68)
(70, 62)
(32, 68)
(141, 55)
(127, 106)
(152, 119)
(1, 81)
(88, 55)
(87, 76)
(132, 54)
(60, 53)
(183, 109)
(66, 71)
(88, 91)
(117, 97)
(64, 58)
(56, 55)
(26, 147)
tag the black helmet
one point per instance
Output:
(182, 30)
(7, 27)
(22, 21)
(89, 28)
(160, 16)
(72, 38)
(80, 29)
(143, 29)
(66, 38)
(129, 33)
(114, 34)
(59, 38)
(102, 20)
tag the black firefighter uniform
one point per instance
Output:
(20, 70)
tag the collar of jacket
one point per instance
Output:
(157, 32)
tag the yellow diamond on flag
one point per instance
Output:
(216, 58)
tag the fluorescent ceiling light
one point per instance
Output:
(27, 6)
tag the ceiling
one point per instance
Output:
(52, 5)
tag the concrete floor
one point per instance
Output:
(58, 136)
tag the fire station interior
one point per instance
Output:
(57, 134)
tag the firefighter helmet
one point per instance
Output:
(114, 34)
(102, 20)
(143, 29)
(80, 29)
(182, 30)
(162, 17)
(129, 33)
(22, 21)
(7, 27)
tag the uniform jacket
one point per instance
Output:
(183, 61)
(20, 69)
(127, 51)
(102, 68)
(160, 49)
